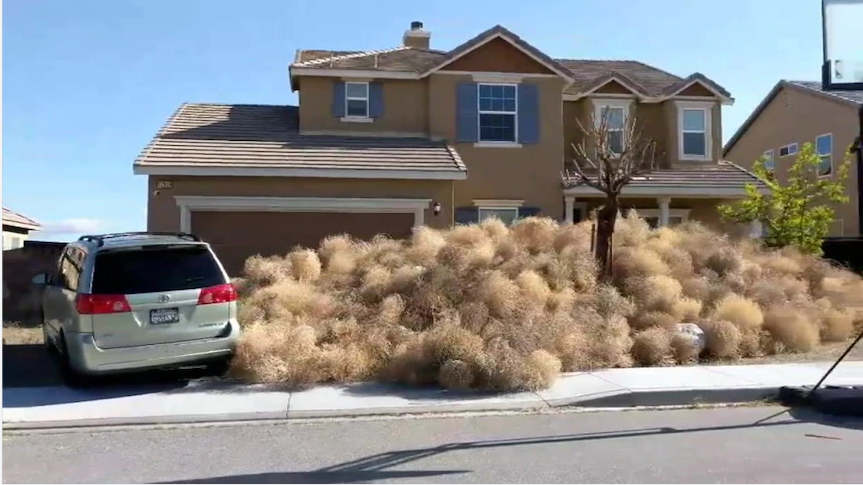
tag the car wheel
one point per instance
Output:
(49, 344)
(219, 367)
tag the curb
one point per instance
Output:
(617, 399)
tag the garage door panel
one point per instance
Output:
(236, 236)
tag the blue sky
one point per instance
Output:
(88, 83)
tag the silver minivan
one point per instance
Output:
(136, 301)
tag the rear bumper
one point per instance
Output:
(87, 357)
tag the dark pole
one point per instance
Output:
(858, 146)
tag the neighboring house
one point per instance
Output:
(386, 140)
(16, 229)
(792, 114)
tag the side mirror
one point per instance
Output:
(40, 279)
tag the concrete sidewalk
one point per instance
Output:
(199, 402)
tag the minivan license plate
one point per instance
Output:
(162, 316)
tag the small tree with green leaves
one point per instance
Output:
(798, 211)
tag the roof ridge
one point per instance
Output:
(27, 220)
(270, 105)
(324, 60)
(744, 170)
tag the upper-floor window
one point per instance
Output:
(770, 161)
(615, 115)
(357, 100)
(498, 112)
(694, 125)
(824, 149)
(788, 150)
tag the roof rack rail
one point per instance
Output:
(99, 239)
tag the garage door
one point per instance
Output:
(235, 236)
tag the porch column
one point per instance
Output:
(664, 210)
(569, 208)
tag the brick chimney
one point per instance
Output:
(416, 36)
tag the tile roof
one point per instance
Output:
(13, 218)
(397, 59)
(586, 73)
(853, 96)
(725, 175)
(814, 87)
(267, 136)
(589, 73)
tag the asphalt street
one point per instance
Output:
(738, 445)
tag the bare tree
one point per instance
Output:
(607, 160)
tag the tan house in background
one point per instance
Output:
(16, 229)
(383, 141)
(799, 112)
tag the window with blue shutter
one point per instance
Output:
(466, 113)
(376, 100)
(498, 112)
(528, 113)
(339, 99)
(466, 215)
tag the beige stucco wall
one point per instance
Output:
(163, 214)
(797, 116)
(405, 108)
(530, 172)
(657, 122)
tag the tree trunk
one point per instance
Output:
(604, 232)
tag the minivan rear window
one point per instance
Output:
(155, 269)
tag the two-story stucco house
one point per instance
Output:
(383, 141)
(797, 112)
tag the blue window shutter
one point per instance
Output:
(528, 113)
(376, 100)
(339, 99)
(466, 215)
(528, 212)
(467, 110)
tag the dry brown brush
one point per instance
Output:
(505, 308)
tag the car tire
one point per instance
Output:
(49, 345)
(219, 368)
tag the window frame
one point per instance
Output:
(69, 271)
(366, 99)
(824, 155)
(789, 153)
(480, 112)
(707, 112)
(480, 209)
(624, 105)
(771, 158)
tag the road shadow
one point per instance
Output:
(32, 378)
(28, 365)
(420, 393)
(373, 467)
(810, 415)
(357, 476)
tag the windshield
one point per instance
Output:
(155, 269)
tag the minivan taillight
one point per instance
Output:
(218, 294)
(101, 304)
